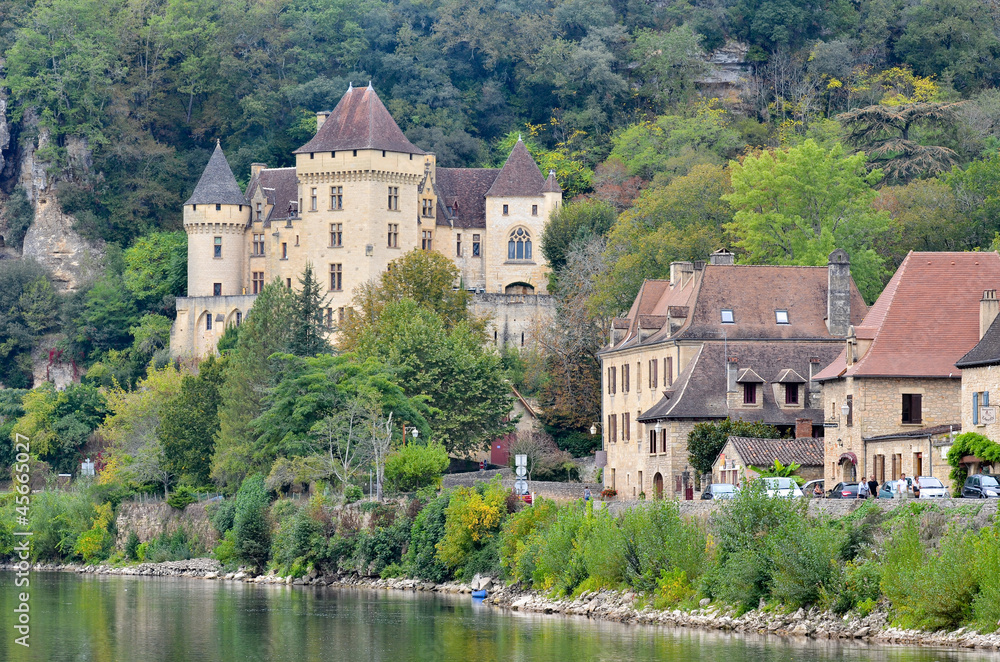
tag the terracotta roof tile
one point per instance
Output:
(519, 177)
(464, 191)
(217, 184)
(761, 453)
(360, 121)
(926, 319)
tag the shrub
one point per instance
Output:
(353, 493)
(558, 567)
(181, 497)
(296, 539)
(414, 466)
(428, 529)
(986, 605)
(222, 514)
(516, 549)
(672, 588)
(381, 547)
(225, 551)
(860, 589)
(252, 535)
(803, 555)
(132, 546)
(473, 516)
(93, 545)
(655, 537)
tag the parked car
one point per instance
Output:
(843, 491)
(932, 488)
(783, 487)
(808, 488)
(981, 486)
(889, 487)
(719, 491)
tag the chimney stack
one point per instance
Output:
(803, 428)
(321, 119)
(721, 257)
(838, 293)
(989, 306)
(255, 169)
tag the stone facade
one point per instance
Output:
(515, 319)
(980, 380)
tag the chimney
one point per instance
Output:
(321, 119)
(721, 257)
(803, 428)
(680, 273)
(255, 169)
(989, 306)
(838, 293)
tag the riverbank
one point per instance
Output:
(606, 605)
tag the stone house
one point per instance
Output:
(981, 375)
(717, 341)
(359, 196)
(893, 394)
(740, 454)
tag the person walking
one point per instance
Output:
(586, 494)
(863, 490)
(916, 487)
(873, 486)
(902, 487)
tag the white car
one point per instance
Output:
(782, 487)
(931, 488)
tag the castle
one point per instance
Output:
(359, 196)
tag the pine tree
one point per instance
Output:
(308, 330)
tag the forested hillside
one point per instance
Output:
(871, 125)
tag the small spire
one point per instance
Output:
(350, 86)
(218, 142)
(518, 137)
(369, 83)
(552, 173)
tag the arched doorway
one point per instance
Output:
(658, 485)
(519, 288)
(848, 467)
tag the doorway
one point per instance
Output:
(658, 485)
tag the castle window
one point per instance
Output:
(284, 250)
(791, 394)
(781, 316)
(750, 393)
(333, 155)
(393, 235)
(194, 207)
(336, 277)
(425, 240)
(218, 207)
(355, 152)
(217, 289)
(239, 318)
(288, 283)
(258, 211)
(217, 248)
(505, 210)
(312, 200)
(257, 278)
(296, 240)
(383, 153)
(312, 155)
(208, 321)
(534, 210)
(336, 197)
(336, 235)
(458, 245)
(519, 245)
(427, 210)
(394, 198)
(475, 245)
(258, 244)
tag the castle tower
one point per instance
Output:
(215, 219)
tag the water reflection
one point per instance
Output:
(83, 618)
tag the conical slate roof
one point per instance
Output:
(217, 184)
(552, 184)
(360, 121)
(519, 177)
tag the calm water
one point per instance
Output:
(130, 618)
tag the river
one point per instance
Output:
(111, 618)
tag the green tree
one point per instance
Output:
(796, 206)
(669, 64)
(29, 308)
(415, 465)
(60, 422)
(150, 267)
(251, 530)
(308, 335)
(976, 190)
(707, 440)
(189, 424)
(574, 222)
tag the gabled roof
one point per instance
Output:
(464, 191)
(761, 453)
(926, 319)
(986, 351)
(789, 376)
(217, 184)
(360, 121)
(519, 177)
(748, 376)
(281, 188)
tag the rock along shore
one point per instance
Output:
(601, 605)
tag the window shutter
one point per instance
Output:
(975, 409)
(916, 407)
(986, 398)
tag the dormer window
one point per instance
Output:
(727, 316)
(781, 316)
(750, 394)
(791, 394)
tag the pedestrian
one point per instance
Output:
(863, 490)
(916, 487)
(902, 487)
(586, 494)
(873, 486)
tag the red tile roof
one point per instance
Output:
(926, 319)
(519, 177)
(761, 453)
(360, 121)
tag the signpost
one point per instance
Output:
(521, 470)
(987, 415)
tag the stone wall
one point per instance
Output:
(150, 519)
(979, 380)
(554, 490)
(516, 319)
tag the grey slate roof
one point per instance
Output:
(281, 188)
(360, 121)
(217, 184)
(552, 184)
(519, 177)
(464, 191)
(986, 351)
(761, 453)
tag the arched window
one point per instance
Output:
(519, 245)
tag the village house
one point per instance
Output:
(980, 375)
(893, 397)
(742, 455)
(718, 340)
(359, 196)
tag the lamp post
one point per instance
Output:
(415, 433)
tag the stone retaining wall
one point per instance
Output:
(149, 520)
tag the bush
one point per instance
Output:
(414, 466)
(222, 514)
(517, 547)
(860, 590)
(986, 605)
(428, 529)
(296, 539)
(473, 516)
(132, 546)
(251, 532)
(655, 538)
(225, 551)
(353, 493)
(803, 555)
(176, 546)
(181, 497)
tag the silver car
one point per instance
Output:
(931, 488)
